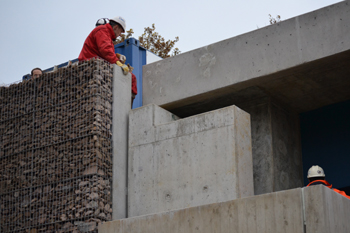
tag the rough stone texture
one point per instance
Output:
(320, 208)
(55, 150)
(188, 162)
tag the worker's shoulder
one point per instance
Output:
(100, 29)
(317, 182)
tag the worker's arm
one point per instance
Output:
(105, 46)
(106, 49)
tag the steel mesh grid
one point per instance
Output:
(20, 103)
(16, 135)
(55, 159)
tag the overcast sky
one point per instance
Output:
(44, 33)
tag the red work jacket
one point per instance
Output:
(328, 185)
(99, 43)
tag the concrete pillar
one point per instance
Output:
(121, 108)
(276, 145)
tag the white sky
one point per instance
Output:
(44, 33)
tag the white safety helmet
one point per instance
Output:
(315, 171)
(102, 21)
(120, 20)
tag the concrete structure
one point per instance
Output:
(120, 108)
(276, 145)
(294, 66)
(179, 163)
(274, 74)
(312, 209)
(285, 59)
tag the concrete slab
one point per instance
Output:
(274, 212)
(187, 162)
(318, 207)
(121, 107)
(303, 62)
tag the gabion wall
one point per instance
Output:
(55, 151)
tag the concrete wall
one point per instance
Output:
(320, 208)
(298, 64)
(120, 108)
(325, 210)
(175, 164)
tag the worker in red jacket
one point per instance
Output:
(316, 176)
(99, 43)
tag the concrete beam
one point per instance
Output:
(303, 61)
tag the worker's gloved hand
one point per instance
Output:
(130, 68)
(121, 58)
(124, 67)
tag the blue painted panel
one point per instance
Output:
(136, 57)
(325, 139)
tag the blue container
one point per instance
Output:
(136, 57)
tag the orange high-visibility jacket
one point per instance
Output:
(328, 185)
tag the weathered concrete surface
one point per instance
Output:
(298, 65)
(275, 135)
(175, 164)
(325, 211)
(120, 108)
(303, 62)
(275, 144)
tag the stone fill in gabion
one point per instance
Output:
(55, 150)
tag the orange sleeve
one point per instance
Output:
(341, 192)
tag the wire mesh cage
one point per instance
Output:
(55, 150)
